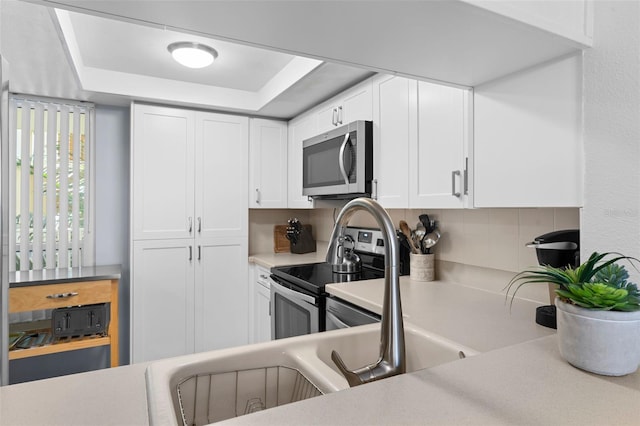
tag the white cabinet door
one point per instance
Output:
(394, 109)
(162, 303)
(528, 138)
(162, 177)
(221, 294)
(353, 104)
(261, 305)
(301, 128)
(262, 313)
(221, 175)
(267, 164)
(437, 167)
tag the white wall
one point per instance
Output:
(611, 213)
(112, 204)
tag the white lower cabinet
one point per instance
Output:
(188, 298)
(162, 303)
(221, 294)
(261, 306)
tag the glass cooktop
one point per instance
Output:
(314, 276)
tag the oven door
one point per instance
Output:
(293, 313)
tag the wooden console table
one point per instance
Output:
(34, 290)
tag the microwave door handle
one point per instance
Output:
(341, 159)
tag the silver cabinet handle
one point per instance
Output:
(263, 276)
(199, 252)
(190, 224)
(340, 114)
(199, 224)
(453, 183)
(190, 253)
(375, 189)
(62, 295)
(334, 117)
(341, 159)
(257, 196)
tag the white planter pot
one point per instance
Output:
(601, 342)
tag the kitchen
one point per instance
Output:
(600, 215)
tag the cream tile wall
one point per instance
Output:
(489, 238)
(261, 223)
(481, 248)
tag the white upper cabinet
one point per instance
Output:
(421, 137)
(186, 166)
(528, 138)
(221, 175)
(267, 164)
(163, 194)
(351, 105)
(300, 128)
(438, 175)
(394, 126)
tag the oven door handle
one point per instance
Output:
(337, 321)
(293, 294)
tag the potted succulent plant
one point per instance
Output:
(598, 313)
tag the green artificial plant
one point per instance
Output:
(598, 283)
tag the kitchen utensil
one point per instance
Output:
(404, 227)
(430, 240)
(426, 222)
(419, 235)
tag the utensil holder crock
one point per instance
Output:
(422, 267)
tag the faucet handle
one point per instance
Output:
(352, 378)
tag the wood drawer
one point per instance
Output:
(33, 298)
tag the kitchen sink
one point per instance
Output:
(212, 386)
(360, 346)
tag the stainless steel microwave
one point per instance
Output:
(339, 163)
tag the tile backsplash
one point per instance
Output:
(481, 247)
(489, 238)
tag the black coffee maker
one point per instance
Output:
(559, 249)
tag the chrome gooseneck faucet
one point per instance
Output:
(392, 350)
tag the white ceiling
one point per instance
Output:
(64, 54)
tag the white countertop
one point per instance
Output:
(475, 318)
(269, 260)
(524, 383)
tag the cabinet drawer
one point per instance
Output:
(58, 295)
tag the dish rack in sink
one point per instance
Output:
(209, 398)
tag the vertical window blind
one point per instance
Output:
(52, 147)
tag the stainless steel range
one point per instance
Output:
(298, 297)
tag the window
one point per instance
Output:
(52, 144)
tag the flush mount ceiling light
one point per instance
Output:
(191, 54)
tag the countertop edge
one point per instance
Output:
(56, 276)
